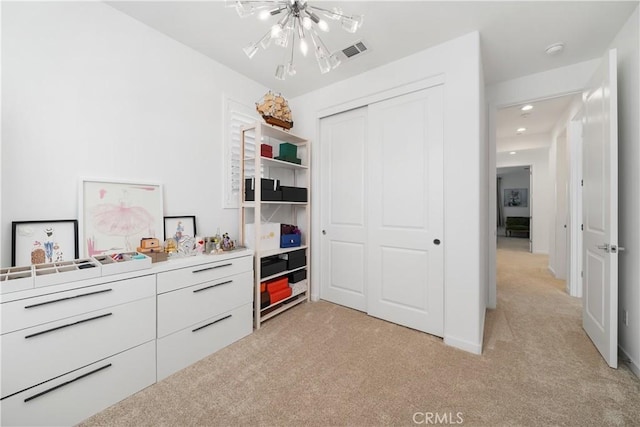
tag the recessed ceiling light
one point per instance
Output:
(520, 130)
(554, 49)
(527, 107)
(512, 152)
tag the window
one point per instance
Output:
(237, 116)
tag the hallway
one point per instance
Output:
(539, 326)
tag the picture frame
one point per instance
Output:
(516, 197)
(115, 215)
(43, 241)
(178, 226)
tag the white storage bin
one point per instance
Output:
(127, 262)
(269, 236)
(14, 279)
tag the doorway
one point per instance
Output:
(515, 196)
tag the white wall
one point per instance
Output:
(458, 60)
(628, 46)
(515, 179)
(90, 92)
(540, 196)
(484, 206)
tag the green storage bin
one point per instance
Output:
(289, 159)
(288, 150)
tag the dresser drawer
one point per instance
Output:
(181, 349)
(183, 277)
(187, 306)
(25, 313)
(31, 356)
(71, 398)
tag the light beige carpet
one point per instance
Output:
(324, 365)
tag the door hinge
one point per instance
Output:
(582, 274)
(582, 183)
(581, 227)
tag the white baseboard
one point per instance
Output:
(475, 348)
(632, 364)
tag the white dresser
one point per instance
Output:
(71, 350)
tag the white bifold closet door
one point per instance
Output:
(396, 264)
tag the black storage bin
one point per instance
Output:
(265, 184)
(267, 195)
(297, 276)
(293, 194)
(264, 300)
(296, 259)
(272, 265)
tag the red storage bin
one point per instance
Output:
(280, 295)
(277, 284)
(266, 150)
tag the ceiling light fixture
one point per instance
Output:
(297, 21)
(554, 49)
(520, 130)
(527, 107)
(512, 152)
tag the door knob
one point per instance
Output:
(324, 232)
(436, 241)
(604, 247)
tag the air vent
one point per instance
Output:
(356, 49)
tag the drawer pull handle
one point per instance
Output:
(212, 286)
(212, 323)
(68, 298)
(212, 268)
(35, 396)
(68, 325)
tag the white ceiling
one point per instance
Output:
(539, 120)
(514, 34)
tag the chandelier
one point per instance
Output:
(298, 25)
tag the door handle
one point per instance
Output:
(615, 248)
(324, 232)
(604, 247)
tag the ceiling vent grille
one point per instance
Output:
(350, 52)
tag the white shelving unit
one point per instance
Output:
(252, 165)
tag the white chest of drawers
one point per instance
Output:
(71, 350)
(202, 309)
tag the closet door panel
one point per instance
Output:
(343, 209)
(405, 207)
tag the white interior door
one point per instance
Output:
(405, 224)
(600, 210)
(343, 211)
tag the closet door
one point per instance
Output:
(405, 210)
(343, 209)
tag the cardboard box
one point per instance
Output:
(269, 236)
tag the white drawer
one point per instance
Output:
(187, 346)
(187, 306)
(34, 311)
(78, 395)
(183, 277)
(31, 356)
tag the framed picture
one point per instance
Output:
(116, 215)
(178, 226)
(516, 197)
(39, 242)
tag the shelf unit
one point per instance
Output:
(296, 213)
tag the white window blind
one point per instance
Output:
(238, 115)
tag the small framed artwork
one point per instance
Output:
(46, 241)
(178, 226)
(116, 215)
(516, 197)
